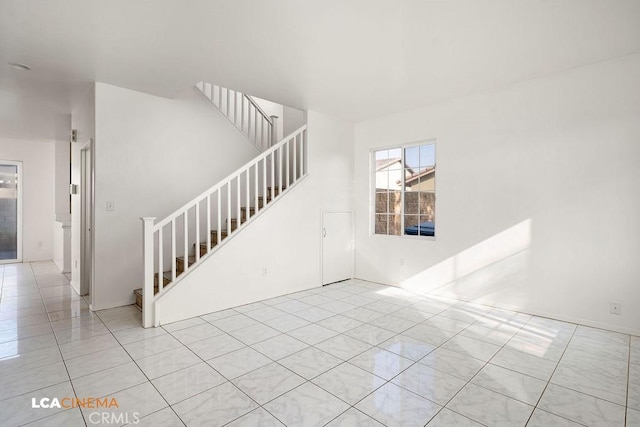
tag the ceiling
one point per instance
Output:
(353, 59)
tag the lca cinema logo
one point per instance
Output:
(99, 410)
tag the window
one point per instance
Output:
(404, 198)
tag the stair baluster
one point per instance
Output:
(244, 112)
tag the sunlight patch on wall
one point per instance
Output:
(479, 271)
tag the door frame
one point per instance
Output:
(18, 257)
(322, 230)
(87, 220)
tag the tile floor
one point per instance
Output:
(350, 354)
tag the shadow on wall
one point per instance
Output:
(480, 272)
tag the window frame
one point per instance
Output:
(372, 188)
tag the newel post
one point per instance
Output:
(147, 259)
(274, 130)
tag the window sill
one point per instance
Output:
(405, 236)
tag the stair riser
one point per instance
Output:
(214, 237)
(225, 228)
(252, 212)
(156, 283)
(261, 201)
(276, 191)
(234, 223)
(203, 248)
(180, 266)
(138, 292)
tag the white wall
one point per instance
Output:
(285, 238)
(62, 224)
(152, 155)
(292, 119)
(537, 197)
(83, 120)
(289, 118)
(62, 177)
(272, 109)
(37, 159)
(62, 245)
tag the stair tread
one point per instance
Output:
(203, 245)
(139, 291)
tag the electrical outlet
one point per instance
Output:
(615, 308)
(401, 262)
(264, 271)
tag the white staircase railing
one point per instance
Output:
(245, 114)
(169, 241)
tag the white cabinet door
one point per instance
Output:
(337, 247)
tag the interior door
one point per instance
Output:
(10, 211)
(86, 197)
(337, 247)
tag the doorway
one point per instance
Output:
(86, 220)
(10, 211)
(337, 247)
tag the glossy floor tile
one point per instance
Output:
(215, 407)
(239, 362)
(395, 406)
(348, 382)
(489, 407)
(266, 383)
(183, 384)
(429, 383)
(310, 362)
(307, 405)
(353, 353)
